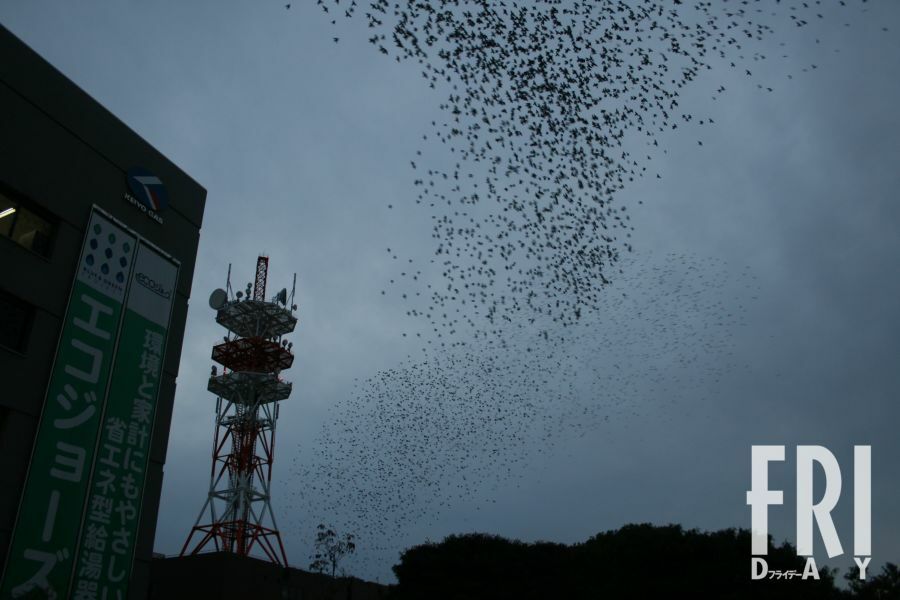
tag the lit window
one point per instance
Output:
(15, 321)
(24, 226)
(7, 215)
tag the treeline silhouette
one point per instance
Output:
(636, 561)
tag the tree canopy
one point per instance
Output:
(637, 561)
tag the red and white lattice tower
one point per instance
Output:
(237, 516)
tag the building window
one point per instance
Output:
(15, 322)
(24, 226)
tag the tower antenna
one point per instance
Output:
(237, 516)
(293, 290)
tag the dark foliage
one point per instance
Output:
(636, 561)
(883, 586)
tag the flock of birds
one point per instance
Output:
(457, 426)
(551, 108)
(537, 321)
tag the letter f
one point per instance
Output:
(760, 496)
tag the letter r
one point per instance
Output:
(807, 511)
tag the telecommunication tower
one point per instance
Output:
(237, 516)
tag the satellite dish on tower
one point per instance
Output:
(218, 299)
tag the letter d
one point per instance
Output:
(759, 568)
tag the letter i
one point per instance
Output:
(862, 500)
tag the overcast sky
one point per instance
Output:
(779, 322)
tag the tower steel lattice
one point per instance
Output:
(237, 516)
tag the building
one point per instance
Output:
(98, 240)
(227, 576)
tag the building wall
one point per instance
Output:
(60, 153)
(224, 576)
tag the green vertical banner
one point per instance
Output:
(41, 554)
(105, 550)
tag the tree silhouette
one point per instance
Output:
(884, 586)
(636, 561)
(330, 549)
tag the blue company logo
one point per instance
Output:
(148, 189)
